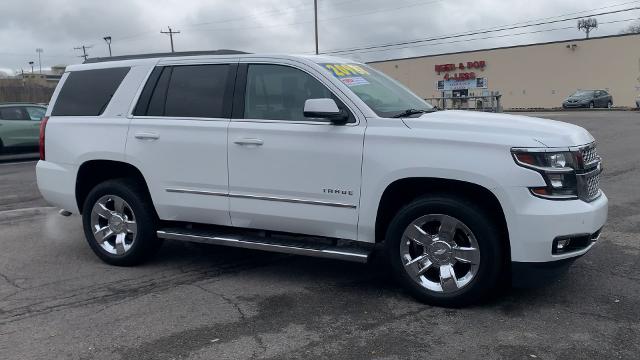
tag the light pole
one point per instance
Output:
(315, 16)
(31, 63)
(39, 51)
(107, 39)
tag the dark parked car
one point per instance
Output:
(589, 99)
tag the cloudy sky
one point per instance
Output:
(283, 26)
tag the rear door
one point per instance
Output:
(36, 113)
(178, 140)
(287, 172)
(16, 128)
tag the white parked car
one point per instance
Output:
(319, 156)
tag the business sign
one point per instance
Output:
(447, 85)
(461, 71)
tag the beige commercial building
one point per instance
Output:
(528, 76)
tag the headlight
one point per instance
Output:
(557, 170)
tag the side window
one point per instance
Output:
(185, 91)
(13, 113)
(277, 92)
(36, 113)
(88, 92)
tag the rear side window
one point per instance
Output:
(186, 91)
(88, 92)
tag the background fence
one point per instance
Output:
(25, 93)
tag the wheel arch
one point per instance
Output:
(93, 172)
(402, 191)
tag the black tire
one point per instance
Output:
(1, 147)
(146, 242)
(487, 233)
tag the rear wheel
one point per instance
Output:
(609, 105)
(120, 222)
(445, 251)
(591, 105)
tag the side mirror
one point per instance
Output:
(325, 109)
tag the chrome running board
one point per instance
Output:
(308, 246)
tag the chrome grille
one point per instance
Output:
(589, 154)
(592, 187)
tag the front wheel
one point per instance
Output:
(445, 250)
(120, 223)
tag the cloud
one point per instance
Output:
(284, 26)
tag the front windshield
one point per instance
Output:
(582, 93)
(385, 96)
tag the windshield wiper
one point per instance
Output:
(410, 112)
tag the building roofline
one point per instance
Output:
(503, 48)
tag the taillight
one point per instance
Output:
(43, 126)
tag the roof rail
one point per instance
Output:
(158, 55)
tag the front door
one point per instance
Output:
(287, 172)
(178, 140)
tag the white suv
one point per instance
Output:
(319, 156)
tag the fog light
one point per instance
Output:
(562, 243)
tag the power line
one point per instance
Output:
(490, 37)
(526, 22)
(389, 9)
(282, 10)
(473, 33)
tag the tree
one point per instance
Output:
(587, 25)
(631, 29)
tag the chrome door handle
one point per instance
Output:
(147, 136)
(249, 141)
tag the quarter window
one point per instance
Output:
(88, 92)
(36, 113)
(276, 92)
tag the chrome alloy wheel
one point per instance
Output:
(113, 224)
(440, 253)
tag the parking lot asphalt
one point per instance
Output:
(57, 300)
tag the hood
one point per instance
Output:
(514, 130)
(579, 97)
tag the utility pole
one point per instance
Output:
(107, 39)
(170, 32)
(39, 51)
(315, 16)
(587, 25)
(84, 51)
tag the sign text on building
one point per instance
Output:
(464, 74)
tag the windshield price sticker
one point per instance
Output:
(342, 70)
(354, 81)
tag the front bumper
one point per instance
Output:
(568, 105)
(535, 223)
